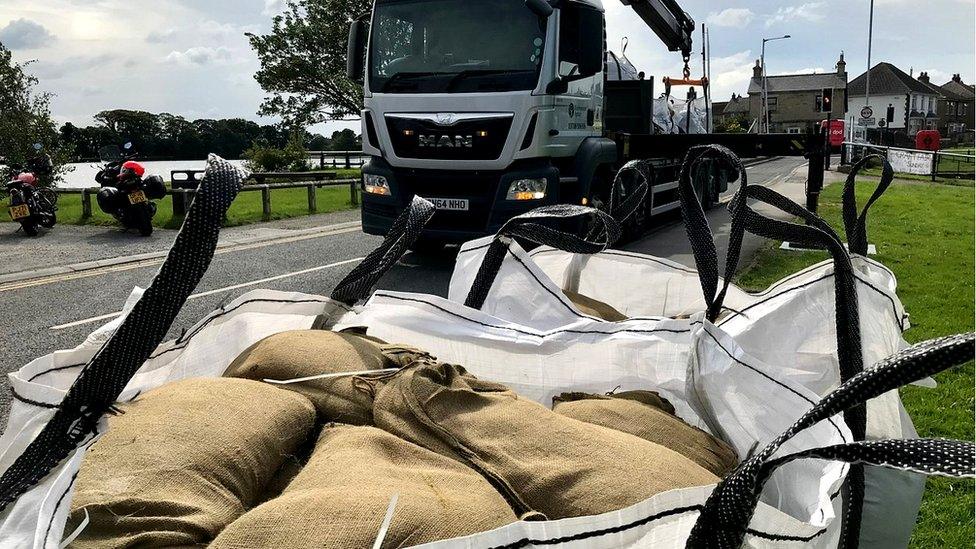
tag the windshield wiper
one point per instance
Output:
(459, 77)
(402, 76)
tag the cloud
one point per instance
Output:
(24, 34)
(810, 11)
(731, 74)
(810, 70)
(731, 17)
(160, 37)
(60, 68)
(273, 7)
(200, 55)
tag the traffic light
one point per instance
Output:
(826, 104)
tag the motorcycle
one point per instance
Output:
(127, 194)
(31, 205)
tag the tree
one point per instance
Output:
(303, 62)
(25, 117)
(345, 140)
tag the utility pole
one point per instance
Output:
(764, 123)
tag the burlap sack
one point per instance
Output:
(541, 461)
(646, 415)
(185, 460)
(592, 307)
(341, 496)
(300, 354)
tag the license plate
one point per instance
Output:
(453, 204)
(19, 212)
(137, 197)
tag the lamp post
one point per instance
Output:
(867, 83)
(765, 92)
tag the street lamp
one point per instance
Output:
(765, 92)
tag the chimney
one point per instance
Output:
(923, 77)
(957, 78)
(757, 71)
(841, 66)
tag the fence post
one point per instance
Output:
(348, 161)
(266, 201)
(321, 160)
(935, 165)
(354, 193)
(86, 211)
(312, 205)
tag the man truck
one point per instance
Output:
(492, 108)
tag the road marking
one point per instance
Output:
(139, 264)
(217, 291)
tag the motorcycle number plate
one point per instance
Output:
(19, 212)
(137, 197)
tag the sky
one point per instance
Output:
(190, 57)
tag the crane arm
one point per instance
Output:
(666, 18)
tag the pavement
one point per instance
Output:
(56, 289)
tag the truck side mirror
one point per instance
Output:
(542, 8)
(356, 51)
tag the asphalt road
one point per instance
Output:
(39, 318)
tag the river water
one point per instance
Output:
(82, 174)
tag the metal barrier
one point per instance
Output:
(933, 164)
(185, 196)
(338, 159)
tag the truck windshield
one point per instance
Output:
(454, 46)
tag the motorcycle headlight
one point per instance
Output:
(527, 189)
(376, 184)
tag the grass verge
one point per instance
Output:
(924, 233)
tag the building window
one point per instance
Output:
(771, 103)
(914, 102)
(963, 108)
(818, 103)
(792, 130)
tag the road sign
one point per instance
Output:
(865, 122)
(867, 112)
(882, 123)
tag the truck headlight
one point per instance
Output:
(376, 184)
(527, 189)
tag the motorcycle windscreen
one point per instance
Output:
(110, 153)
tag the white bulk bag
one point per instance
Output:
(40, 458)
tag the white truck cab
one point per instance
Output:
(488, 109)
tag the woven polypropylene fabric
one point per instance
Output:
(856, 225)
(725, 518)
(103, 379)
(403, 233)
(604, 231)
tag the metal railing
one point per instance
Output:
(339, 159)
(184, 197)
(933, 164)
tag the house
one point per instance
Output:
(903, 102)
(733, 110)
(796, 101)
(956, 112)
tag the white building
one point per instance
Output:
(903, 102)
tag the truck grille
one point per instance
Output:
(463, 136)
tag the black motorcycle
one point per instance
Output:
(31, 204)
(127, 194)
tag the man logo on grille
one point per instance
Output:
(446, 142)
